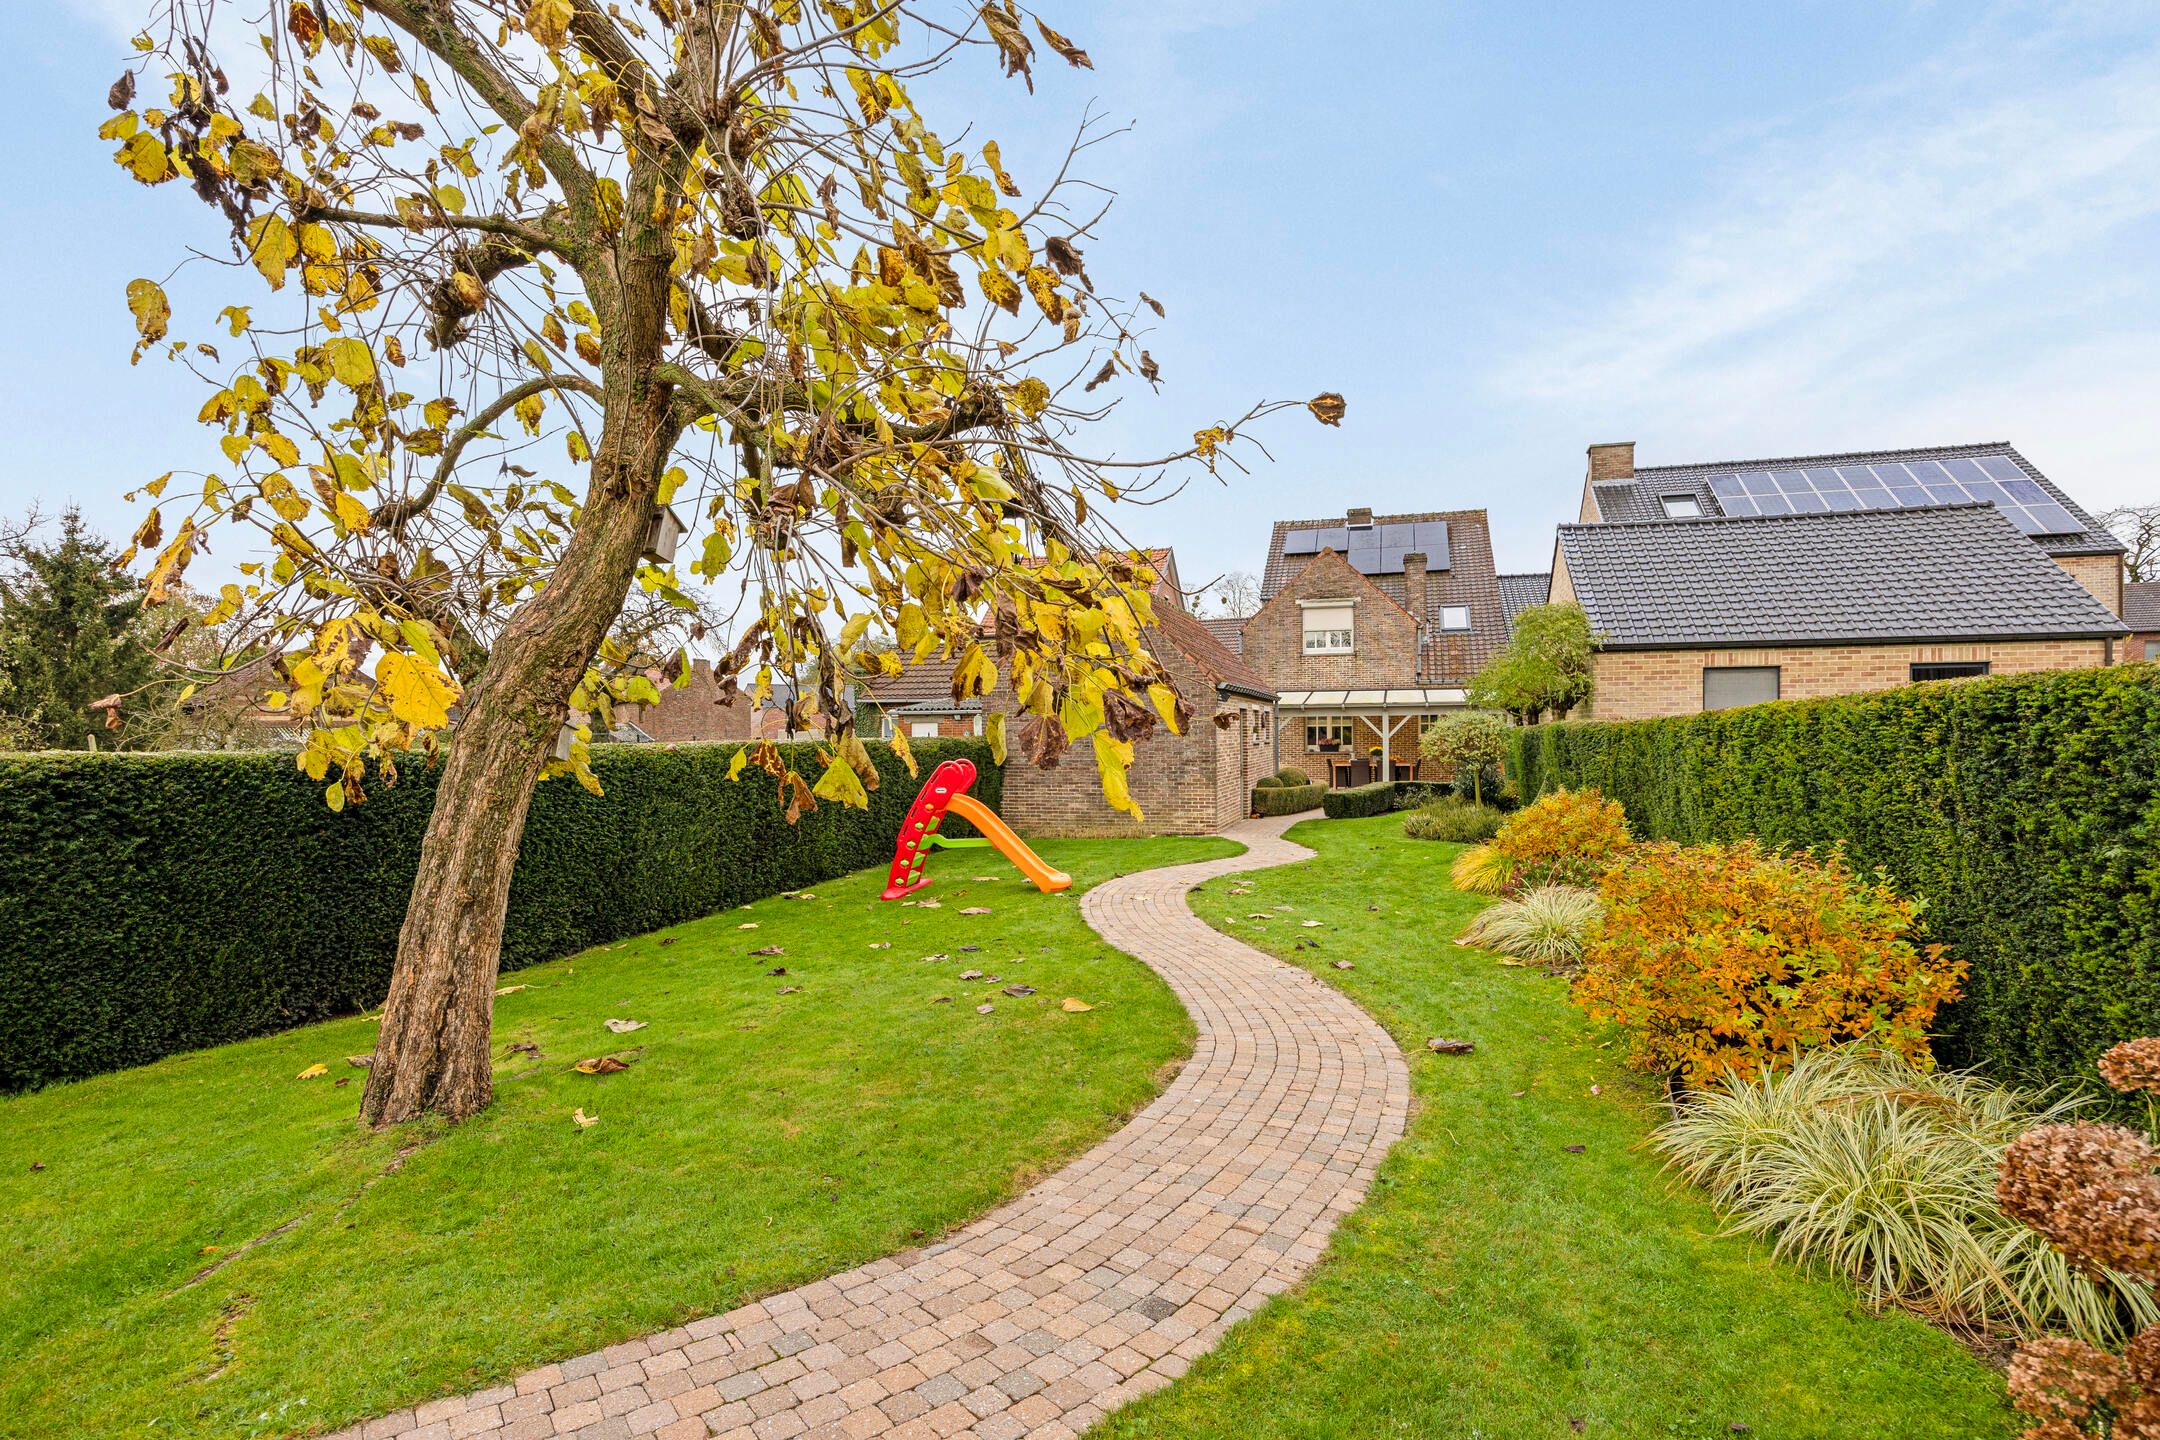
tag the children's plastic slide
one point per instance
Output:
(946, 794)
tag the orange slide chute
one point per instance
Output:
(945, 793)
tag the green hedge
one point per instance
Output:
(157, 903)
(2024, 810)
(1286, 799)
(1374, 799)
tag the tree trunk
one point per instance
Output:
(435, 1052)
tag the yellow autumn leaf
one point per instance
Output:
(147, 303)
(841, 785)
(351, 514)
(1165, 700)
(1000, 289)
(1074, 1005)
(906, 752)
(548, 21)
(994, 732)
(351, 361)
(272, 247)
(312, 1071)
(416, 693)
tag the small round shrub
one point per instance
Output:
(1271, 782)
(1452, 820)
(1569, 837)
(1291, 775)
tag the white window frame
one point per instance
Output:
(1342, 727)
(922, 729)
(1333, 639)
(1694, 510)
(1448, 614)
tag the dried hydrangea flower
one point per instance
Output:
(2065, 1379)
(2133, 1065)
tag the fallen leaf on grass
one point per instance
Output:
(1345, 965)
(771, 950)
(747, 925)
(583, 1119)
(971, 974)
(1259, 915)
(1019, 991)
(1520, 1093)
(984, 879)
(312, 1071)
(624, 1027)
(1597, 1090)
(601, 1065)
(976, 910)
(881, 944)
(1576, 1423)
(1440, 1045)
(342, 1081)
(942, 1000)
(510, 990)
(361, 1062)
(1512, 963)
(668, 939)
(970, 949)
(985, 1008)
(525, 1047)
(791, 989)
(929, 904)
(802, 895)
(777, 970)
(1074, 1005)
(1574, 1149)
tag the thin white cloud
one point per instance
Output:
(1922, 263)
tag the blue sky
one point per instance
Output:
(1503, 231)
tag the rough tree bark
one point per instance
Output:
(435, 1053)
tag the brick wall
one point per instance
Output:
(1641, 684)
(693, 712)
(2100, 574)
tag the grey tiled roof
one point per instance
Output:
(1519, 592)
(1641, 498)
(1939, 573)
(2141, 607)
(1228, 630)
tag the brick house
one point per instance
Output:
(2141, 612)
(1190, 784)
(1370, 626)
(697, 711)
(1743, 581)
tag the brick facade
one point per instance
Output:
(1644, 684)
(693, 712)
(2101, 575)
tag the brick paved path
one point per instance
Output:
(1098, 1285)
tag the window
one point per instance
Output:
(1724, 686)
(1328, 629)
(1681, 507)
(1319, 732)
(1949, 670)
(1454, 617)
(922, 729)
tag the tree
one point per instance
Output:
(1546, 665)
(2138, 527)
(1236, 595)
(70, 635)
(550, 275)
(1476, 738)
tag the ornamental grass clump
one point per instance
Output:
(1727, 958)
(2091, 1191)
(1547, 926)
(1454, 820)
(1878, 1167)
(1568, 837)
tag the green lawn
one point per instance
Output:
(1497, 1285)
(208, 1246)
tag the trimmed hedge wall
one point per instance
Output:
(1286, 799)
(1374, 799)
(157, 903)
(2024, 810)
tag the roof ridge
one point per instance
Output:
(1379, 519)
(1963, 448)
(1810, 515)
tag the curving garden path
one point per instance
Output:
(1098, 1285)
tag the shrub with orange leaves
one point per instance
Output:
(1567, 837)
(1723, 958)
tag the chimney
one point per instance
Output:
(701, 673)
(1612, 462)
(1360, 517)
(1413, 584)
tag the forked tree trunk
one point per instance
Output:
(435, 1052)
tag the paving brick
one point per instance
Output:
(1096, 1286)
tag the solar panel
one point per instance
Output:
(1959, 480)
(1301, 542)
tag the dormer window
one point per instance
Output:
(1681, 507)
(1454, 617)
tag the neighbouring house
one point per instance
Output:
(2141, 612)
(1370, 626)
(1732, 583)
(1228, 630)
(698, 711)
(1190, 784)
